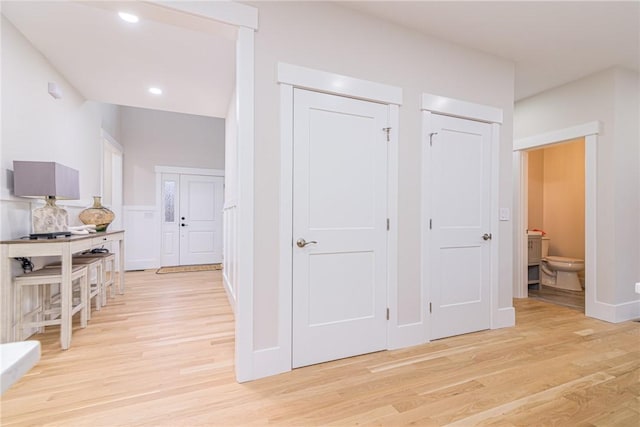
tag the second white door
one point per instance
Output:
(460, 234)
(339, 227)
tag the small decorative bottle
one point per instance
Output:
(98, 215)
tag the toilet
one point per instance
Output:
(558, 271)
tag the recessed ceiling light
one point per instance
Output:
(155, 90)
(129, 17)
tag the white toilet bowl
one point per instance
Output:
(562, 272)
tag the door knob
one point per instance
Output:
(184, 225)
(302, 243)
(486, 236)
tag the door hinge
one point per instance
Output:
(387, 130)
(430, 223)
(387, 224)
(430, 311)
(387, 313)
(431, 135)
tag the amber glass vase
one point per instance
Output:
(98, 215)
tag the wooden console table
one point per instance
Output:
(64, 247)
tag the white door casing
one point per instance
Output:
(460, 215)
(340, 202)
(112, 177)
(191, 217)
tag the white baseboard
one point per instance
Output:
(614, 313)
(503, 318)
(230, 296)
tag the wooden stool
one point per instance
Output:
(60, 312)
(108, 266)
(95, 289)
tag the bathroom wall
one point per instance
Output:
(563, 198)
(556, 196)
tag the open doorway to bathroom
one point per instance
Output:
(555, 183)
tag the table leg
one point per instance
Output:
(66, 295)
(6, 297)
(121, 268)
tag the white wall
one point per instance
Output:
(611, 97)
(330, 38)
(160, 138)
(37, 127)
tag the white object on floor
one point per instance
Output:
(16, 358)
(638, 288)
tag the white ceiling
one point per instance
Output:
(551, 42)
(109, 60)
(193, 60)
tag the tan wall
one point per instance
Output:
(535, 177)
(563, 198)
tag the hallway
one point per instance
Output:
(163, 355)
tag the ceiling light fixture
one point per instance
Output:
(129, 17)
(155, 90)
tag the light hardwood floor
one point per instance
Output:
(163, 355)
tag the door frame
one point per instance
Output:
(436, 104)
(177, 170)
(589, 131)
(290, 77)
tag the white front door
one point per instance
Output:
(339, 210)
(191, 219)
(460, 257)
(200, 219)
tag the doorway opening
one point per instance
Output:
(589, 133)
(556, 223)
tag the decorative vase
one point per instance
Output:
(97, 215)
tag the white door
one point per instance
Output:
(460, 252)
(339, 209)
(191, 219)
(200, 219)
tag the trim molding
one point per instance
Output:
(558, 136)
(307, 78)
(462, 109)
(227, 12)
(188, 171)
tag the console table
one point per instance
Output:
(63, 247)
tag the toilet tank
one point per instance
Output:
(545, 247)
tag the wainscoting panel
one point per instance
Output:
(141, 237)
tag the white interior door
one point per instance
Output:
(460, 257)
(339, 209)
(200, 219)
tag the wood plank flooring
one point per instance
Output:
(162, 355)
(571, 299)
